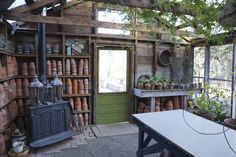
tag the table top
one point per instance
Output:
(171, 126)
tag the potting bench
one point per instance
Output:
(171, 130)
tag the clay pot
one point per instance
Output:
(54, 67)
(148, 86)
(81, 66)
(84, 104)
(81, 87)
(75, 86)
(59, 68)
(2, 145)
(230, 122)
(18, 87)
(20, 106)
(25, 87)
(32, 69)
(175, 101)
(81, 120)
(24, 70)
(73, 67)
(78, 104)
(86, 86)
(86, 67)
(171, 86)
(157, 107)
(86, 119)
(164, 85)
(140, 85)
(169, 105)
(147, 109)
(68, 86)
(152, 86)
(72, 103)
(49, 69)
(67, 66)
(13, 110)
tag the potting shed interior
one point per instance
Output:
(68, 66)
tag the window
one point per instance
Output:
(198, 65)
(112, 71)
(114, 17)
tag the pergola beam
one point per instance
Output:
(33, 6)
(149, 4)
(78, 21)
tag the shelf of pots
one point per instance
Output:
(212, 105)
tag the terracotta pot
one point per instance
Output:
(86, 119)
(86, 86)
(203, 114)
(75, 86)
(54, 67)
(81, 87)
(67, 66)
(164, 85)
(157, 107)
(158, 86)
(84, 104)
(230, 122)
(140, 85)
(18, 87)
(72, 103)
(169, 105)
(86, 67)
(32, 69)
(175, 100)
(81, 120)
(147, 86)
(68, 86)
(25, 87)
(49, 68)
(20, 106)
(152, 86)
(81, 66)
(59, 68)
(2, 145)
(147, 109)
(73, 67)
(77, 104)
(24, 70)
(13, 110)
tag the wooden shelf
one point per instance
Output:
(25, 55)
(77, 112)
(7, 103)
(77, 95)
(26, 76)
(22, 97)
(71, 76)
(6, 52)
(7, 78)
(68, 56)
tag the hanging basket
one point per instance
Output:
(164, 57)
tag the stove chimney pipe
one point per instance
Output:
(42, 49)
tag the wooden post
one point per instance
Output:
(207, 64)
(233, 100)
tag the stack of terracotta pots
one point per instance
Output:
(73, 67)
(19, 91)
(20, 105)
(81, 87)
(86, 86)
(78, 104)
(24, 69)
(86, 119)
(12, 88)
(68, 67)
(59, 68)
(2, 145)
(53, 67)
(4, 118)
(81, 67)
(86, 67)
(3, 73)
(13, 110)
(49, 68)
(25, 87)
(68, 86)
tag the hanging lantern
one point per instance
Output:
(36, 92)
(57, 88)
(47, 94)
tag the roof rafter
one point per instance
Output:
(33, 6)
(149, 4)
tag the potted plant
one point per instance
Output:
(213, 105)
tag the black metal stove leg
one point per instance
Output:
(140, 141)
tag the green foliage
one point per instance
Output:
(213, 103)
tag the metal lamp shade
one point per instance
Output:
(36, 92)
(57, 88)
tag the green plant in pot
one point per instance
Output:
(213, 105)
(147, 84)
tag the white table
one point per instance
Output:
(170, 131)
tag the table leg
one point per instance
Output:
(153, 104)
(140, 141)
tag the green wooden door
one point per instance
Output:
(112, 100)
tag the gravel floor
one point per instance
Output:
(113, 146)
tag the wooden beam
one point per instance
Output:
(148, 4)
(84, 22)
(33, 6)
